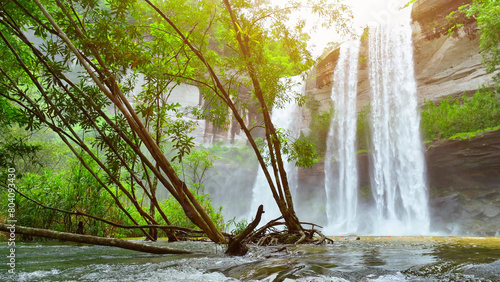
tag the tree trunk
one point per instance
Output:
(237, 245)
(193, 210)
(87, 239)
(283, 197)
(152, 231)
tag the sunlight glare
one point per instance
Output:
(369, 12)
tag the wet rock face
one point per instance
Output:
(464, 182)
(466, 163)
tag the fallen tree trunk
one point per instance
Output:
(94, 240)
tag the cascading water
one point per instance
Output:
(398, 168)
(287, 117)
(341, 173)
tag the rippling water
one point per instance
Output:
(369, 259)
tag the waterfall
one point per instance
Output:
(341, 173)
(287, 117)
(398, 169)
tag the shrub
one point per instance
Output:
(457, 115)
(319, 127)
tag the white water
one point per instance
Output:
(287, 118)
(341, 173)
(398, 168)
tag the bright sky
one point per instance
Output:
(371, 11)
(366, 12)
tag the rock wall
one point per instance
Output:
(464, 181)
(444, 64)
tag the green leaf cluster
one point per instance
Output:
(196, 168)
(238, 226)
(177, 216)
(71, 189)
(363, 129)
(487, 15)
(458, 115)
(319, 124)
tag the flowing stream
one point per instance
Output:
(288, 119)
(369, 259)
(398, 165)
(341, 173)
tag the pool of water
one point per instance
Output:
(368, 259)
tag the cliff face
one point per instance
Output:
(463, 175)
(444, 64)
(464, 181)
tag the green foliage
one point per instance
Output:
(470, 135)
(319, 125)
(363, 128)
(242, 156)
(487, 15)
(409, 3)
(177, 217)
(30, 151)
(303, 152)
(18, 153)
(182, 142)
(76, 189)
(196, 168)
(10, 115)
(365, 35)
(454, 21)
(239, 226)
(72, 189)
(453, 116)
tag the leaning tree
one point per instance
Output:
(257, 46)
(220, 47)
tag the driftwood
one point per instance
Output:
(268, 235)
(237, 245)
(94, 240)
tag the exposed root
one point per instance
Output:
(323, 238)
(274, 241)
(237, 244)
(269, 235)
(262, 240)
(302, 237)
